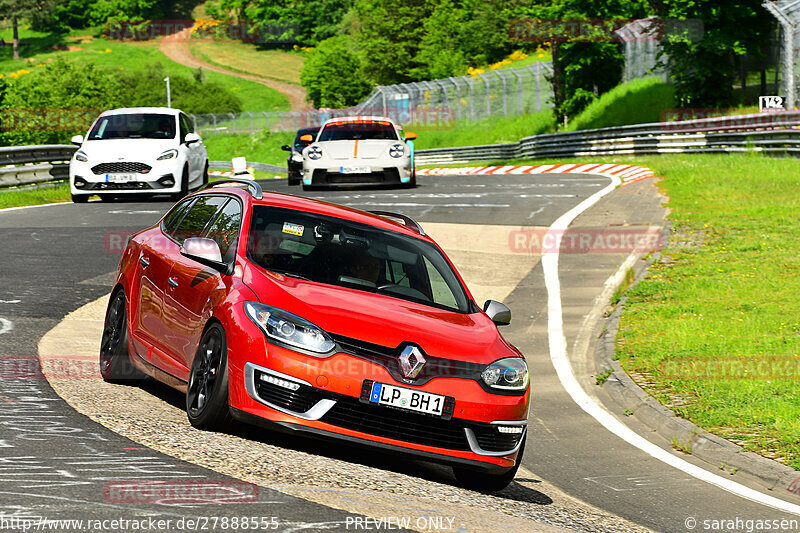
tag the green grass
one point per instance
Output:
(108, 54)
(491, 131)
(246, 58)
(264, 147)
(726, 287)
(43, 195)
(639, 101)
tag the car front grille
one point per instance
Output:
(352, 414)
(121, 167)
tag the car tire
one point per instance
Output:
(484, 481)
(207, 390)
(294, 180)
(79, 198)
(184, 185)
(115, 362)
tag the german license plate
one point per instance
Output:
(120, 178)
(355, 170)
(403, 398)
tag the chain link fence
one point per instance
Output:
(503, 92)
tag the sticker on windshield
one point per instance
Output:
(293, 229)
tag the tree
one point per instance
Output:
(704, 69)
(332, 74)
(22, 9)
(440, 54)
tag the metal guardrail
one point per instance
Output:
(24, 165)
(770, 133)
(777, 133)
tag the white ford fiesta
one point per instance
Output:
(135, 151)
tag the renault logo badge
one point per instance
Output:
(411, 361)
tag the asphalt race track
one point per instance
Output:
(57, 463)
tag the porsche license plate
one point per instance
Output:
(403, 398)
(355, 170)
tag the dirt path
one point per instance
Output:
(177, 48)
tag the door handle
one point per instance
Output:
(144, 261)
(173, 282)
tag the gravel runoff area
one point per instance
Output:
(354, 479)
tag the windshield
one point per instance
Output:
(355, 131)
(298, 144)
(134, 126)
(348, 254)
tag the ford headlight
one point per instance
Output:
(286, 328)
(81, 156)
(397, 150)
(507, 374)
(169, 154)
(315, 152)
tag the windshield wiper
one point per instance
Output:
(290, 274)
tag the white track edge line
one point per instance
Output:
(558, 356)
(6, 209)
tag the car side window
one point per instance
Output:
(225, 229)
(185, 128)
(175, 216)
(198, 217)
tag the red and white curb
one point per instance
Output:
(626, 173)
(228, 174)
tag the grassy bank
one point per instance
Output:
(246, 58)
(44, 195)
(263, 147)
(722, 300)
(41, 48)
(490, 131)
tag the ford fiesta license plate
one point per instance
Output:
(355, 170)
(120, 178)
(413, 400)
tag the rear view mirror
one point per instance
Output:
(410, 136)
(308, 138)
(191, 138)
(286, 148)
(205, 251)
(77, 140)
(499, 313)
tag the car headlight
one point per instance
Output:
(315, 152)
(397, 150)
(290, 329)
(169, 154)
(81, 156)
(297, 158)
(507, 374)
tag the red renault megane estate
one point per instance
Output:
(305, 316)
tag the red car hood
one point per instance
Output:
(381, 319)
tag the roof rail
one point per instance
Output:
(253, 187)
(408, 221)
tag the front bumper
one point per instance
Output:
(324, 397)
(333, 175)
(162, 177)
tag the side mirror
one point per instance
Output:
(191, 138)
(286, 148)
(205, 251)
(77, 140)
(410, 136)
(307, 138)
(499, 313)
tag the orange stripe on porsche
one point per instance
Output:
(355, 149)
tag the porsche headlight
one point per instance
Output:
(315, 152)
(81, 156)
(290, 329)
(397, 150)
(509, 374)
(169, 154)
